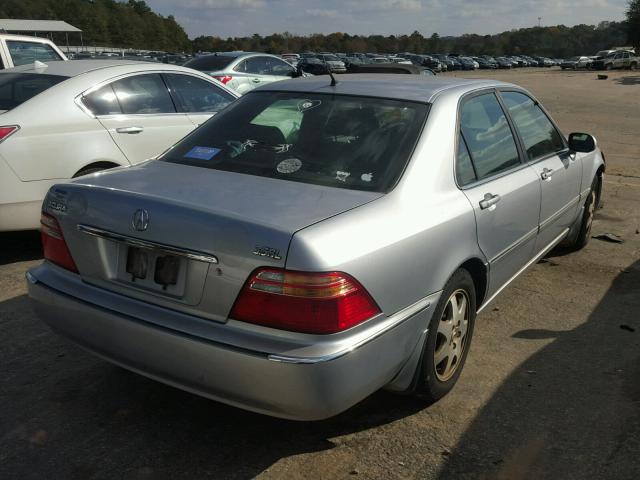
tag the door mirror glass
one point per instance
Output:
(582, 142)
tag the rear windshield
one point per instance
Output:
(334, 140)
(210, 63)
(17, 88)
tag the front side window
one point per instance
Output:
(23, 52)
(197, 95)
(334, 140)
(538, 134)
(488, 136)
(143, 95)
(279, 68)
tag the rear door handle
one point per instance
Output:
(255, 80)
(130, 130)
(546, 174)
(489, 201)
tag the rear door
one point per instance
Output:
(249, 74)
(504, 192)
(200, 99)
(140, 115)
(559, 171)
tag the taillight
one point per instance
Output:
(6, 132)
(223, 79)
(303, 301)
(53, 244)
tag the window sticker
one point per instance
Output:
(366, 177)
(290, 165)
(202, 153)
(282, 147)
(305, 105)
(342, 176)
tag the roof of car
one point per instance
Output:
(72, 68)
(417, 88)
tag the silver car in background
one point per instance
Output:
(242, 71)
(312, 243)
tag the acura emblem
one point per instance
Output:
(140, 220)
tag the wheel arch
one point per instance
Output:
(101, 164)
(480, 275)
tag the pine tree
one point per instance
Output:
(633, 23)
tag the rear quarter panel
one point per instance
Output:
(56, 138)
(406, 244)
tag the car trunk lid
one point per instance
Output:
(236, 222)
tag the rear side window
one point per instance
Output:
(102, 101)
(488, 136)
(28, 52)
(143, 95)
(334, 140)
(210, 63)
(538, 134)
(465, 174)
(197, 95)
(17, 88)
(257, 66)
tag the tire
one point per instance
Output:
(437, 376)
(586, 222)
(633, 66)
(608, 67)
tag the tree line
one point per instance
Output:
(557, 41)
(132, 24)
(106, 23)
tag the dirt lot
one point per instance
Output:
(551, 388)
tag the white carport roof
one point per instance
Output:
(13, 25)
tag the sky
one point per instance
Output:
(238, 18)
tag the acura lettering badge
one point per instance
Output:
(140, 220)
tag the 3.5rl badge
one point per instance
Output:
(262, 251)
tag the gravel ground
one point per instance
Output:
(551, 388)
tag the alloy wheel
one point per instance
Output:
(451, 337)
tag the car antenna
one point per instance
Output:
(333, 79)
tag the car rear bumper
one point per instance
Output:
(274, 383)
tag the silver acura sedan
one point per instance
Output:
(312, 243)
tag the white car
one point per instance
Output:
(65, 119)
(16, 50)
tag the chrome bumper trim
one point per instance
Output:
(136, 242)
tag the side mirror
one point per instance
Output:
(582, 142)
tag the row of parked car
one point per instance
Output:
(340, 62)
(604, 60)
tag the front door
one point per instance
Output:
(504, 193)
(559, 172)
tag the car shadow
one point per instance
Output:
(20, 246)
(629, 80)
(67, 412)
(570, 411)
